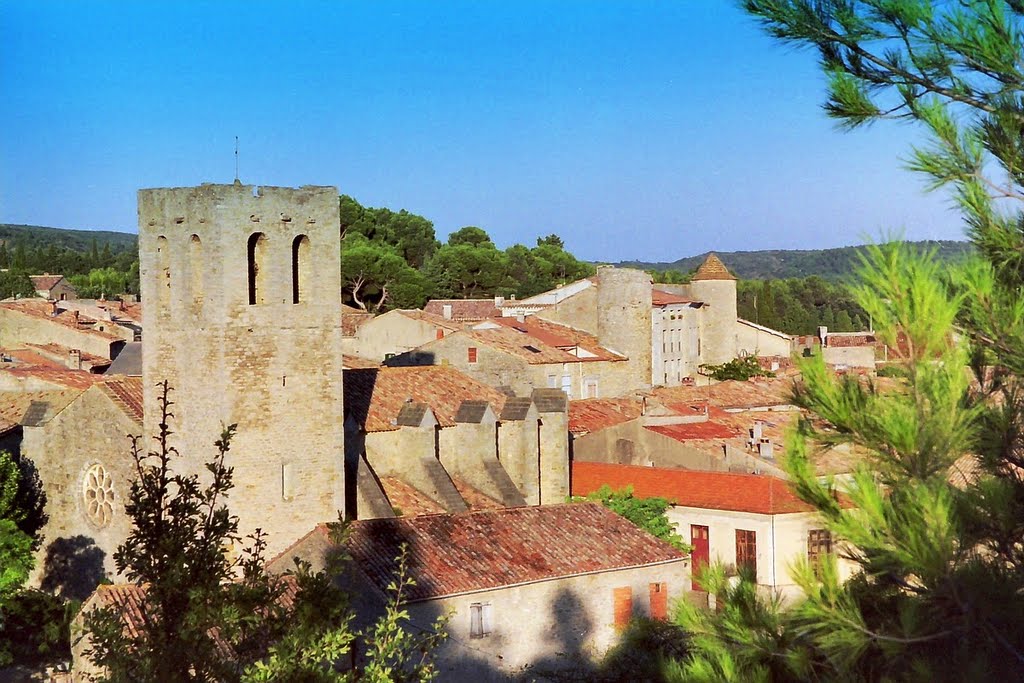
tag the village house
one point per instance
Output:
(54, 287)
(522, 355)
(34, 321)
(524, 588)
(739, 520)
(465, 310)
(396, 332)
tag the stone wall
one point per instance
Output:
(390, 334)
(624, 317)
(758, 341)
(88, 437)
(718, 319)
(243, 321)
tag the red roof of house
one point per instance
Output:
(662, 298)
(731, 393)
(44, 283)
(594, 414)
(542, 342)
(352, 319)
(375, 396)
(40, 308)
(758, 493)
(430, 318)
(472, 551)
(846, 339)
(695, 430)
(464, 309)
(126, 393)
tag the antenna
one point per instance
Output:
(236, 158)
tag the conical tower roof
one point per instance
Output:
(712, 269)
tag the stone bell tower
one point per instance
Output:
(242, 315)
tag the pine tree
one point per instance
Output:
(937, 527)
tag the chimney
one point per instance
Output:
(822, 334)
(53, 308)
(74, 359)
(499, 301)
(521, 318)
(766, 449)
(756, 431)
(120, 305)
(74, 316)
(446, 311)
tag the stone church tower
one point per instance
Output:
(716, 287)
(242, 315)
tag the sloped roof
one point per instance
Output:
(57, 377)
(352, 319)
(757, 493)
(57, 351)
(559, 336)
(689, 431)
(712, 269)
(45, 282)
(128, 361)
(464, 309)
(847, 339)
(466, 552)
(429, 318)
(407, 500)
(353, 362)
(660, 297)
(37, 405)
(475, 498)
(594, 414)
(126, 393)
(375, 396)
(731, 394)
(40, 308)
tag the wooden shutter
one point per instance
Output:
(623, 598)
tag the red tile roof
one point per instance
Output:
(126, 393)
(57, 354)
(662, 298)
(758, 493)
(352, 319)
(375, 396)
(695, 430)
(731, 393)
(474, 551)
(353, 362)
(846, 339)
(14, 404)
(464, 309)
(431, 318)
(45, 282)
(407, 500)
(712, 269)
(57, 377)
(542, 342)
(40, 308)
(475, 498)
(594, 414)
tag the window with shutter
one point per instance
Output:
(480, 620)
(746, 550)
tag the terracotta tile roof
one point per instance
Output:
(847, 339)
(57, 354)
(126, 393)
(731, 393)
(14, 405)
(474, 551)
(353, 362)
(695, 430)
(45, 282)
(430, 318)
(530, 349)
(542, 342)
(352, 319)
(406, 500)
(40, 308)
(594, 414)
(660, 297)
(755, 493)
(476, 499)
(712, 269)
(464, 309)
(374, 397)
(56, 377)
(560, 336)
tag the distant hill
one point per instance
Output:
(33, 236)
(832, 264)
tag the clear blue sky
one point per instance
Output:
(635, 130)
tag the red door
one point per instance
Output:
(701, 554)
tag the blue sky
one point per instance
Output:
(637, 129)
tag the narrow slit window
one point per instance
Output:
(195, 264)
(257, 248)
(300, 269)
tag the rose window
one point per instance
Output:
(98, 494)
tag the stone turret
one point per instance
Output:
(242, 318)
(716, 287)
(624, 316)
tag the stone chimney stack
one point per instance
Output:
(74, 359)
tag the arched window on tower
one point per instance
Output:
(300, 269)
(196, 266)
(163, 265)
(257, 251)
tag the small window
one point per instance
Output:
(287, 481)
(819, 544)
(300, 269)
(552, 381)
(480, 621)
(439, 333)
(471, 355)
(567, 385)
(256, 251)
(746, 550)
(623, 606)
